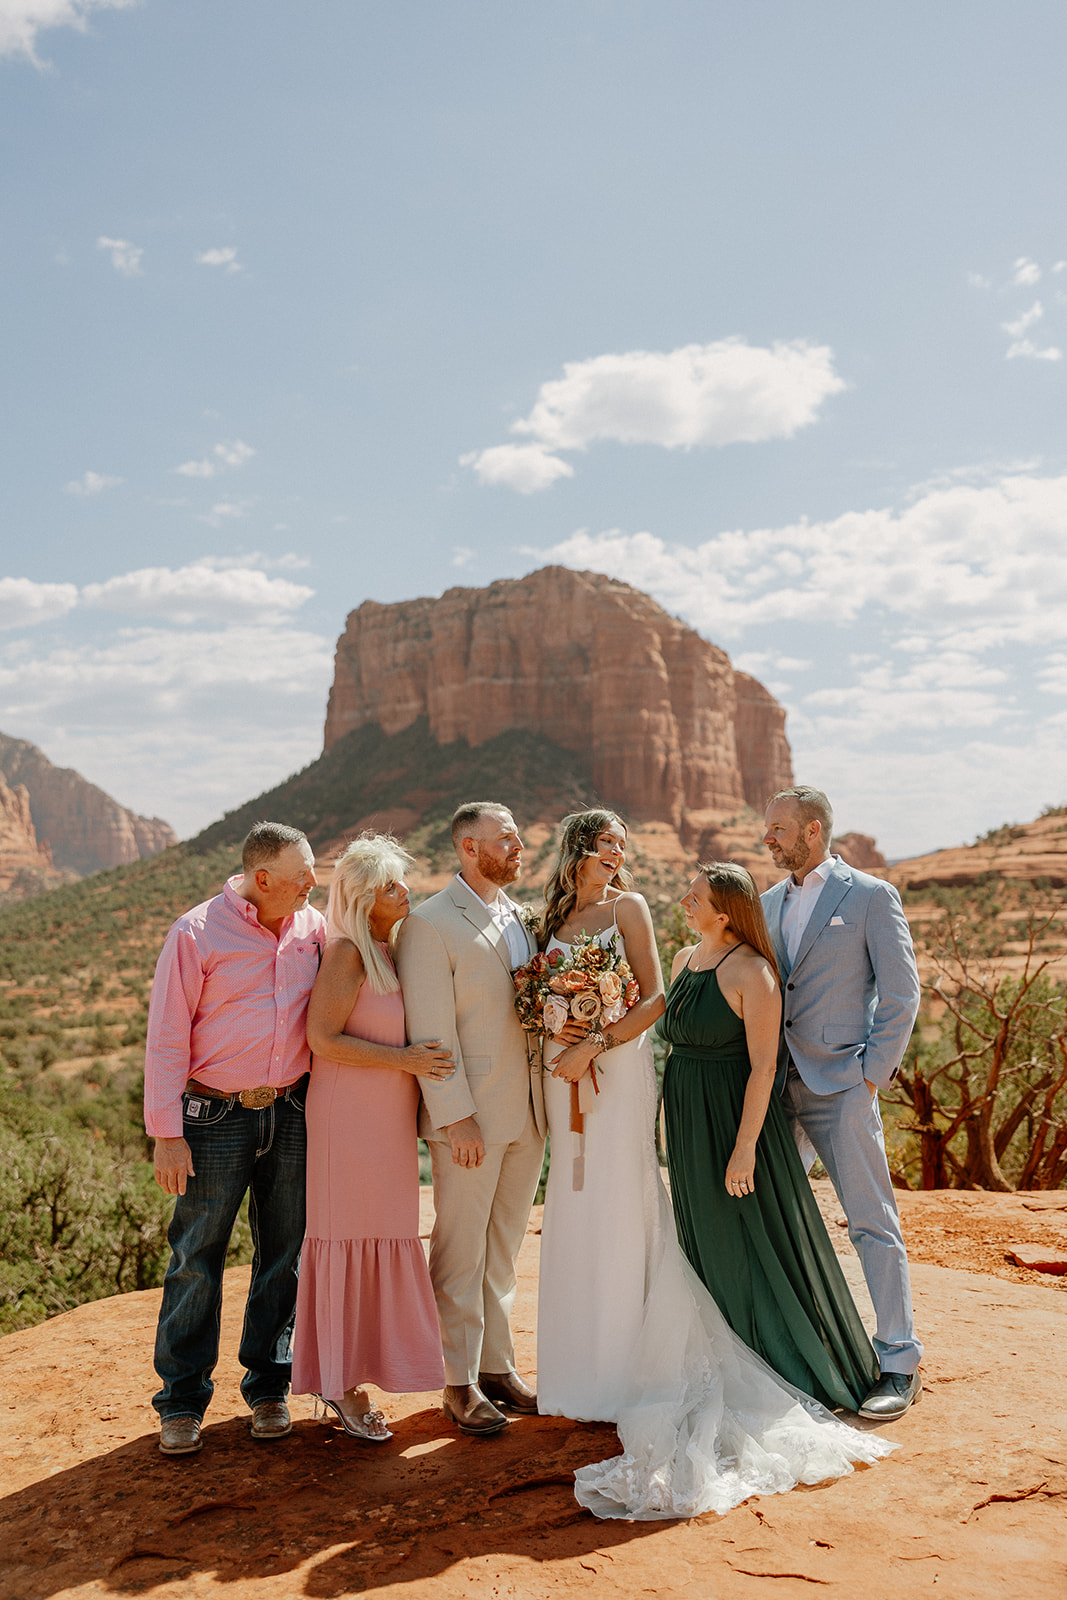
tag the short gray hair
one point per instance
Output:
(265, 842)
(812, 805)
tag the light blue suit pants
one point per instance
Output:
(845, 1131)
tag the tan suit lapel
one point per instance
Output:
(474, 909)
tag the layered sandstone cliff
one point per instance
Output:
(26, 867)
(1028, 852)
(666, 724)
(83, 828)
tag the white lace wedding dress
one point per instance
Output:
(627, 1333)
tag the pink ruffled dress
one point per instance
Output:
(365, 1309)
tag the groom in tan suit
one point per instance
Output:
(485, 1126)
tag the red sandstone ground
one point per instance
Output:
(972, 1506)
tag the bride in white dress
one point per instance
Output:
(626, 1332)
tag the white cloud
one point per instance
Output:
(1026, 320)
(1022, 346)
(1025, 347)
(1052, 673)
(231, 453)
(949, 688)
(982, 564)
(178, 724)
(757, 662)
(235, 453)
(195, 593)
(727, 392)
(90, 483)
(931, 629)
(125, 257)
(225, 511)
(22, 20)
(525, 467)
(223, 256)
(462, 554)
(1025, 272)
(23, 602)
(1059, 266)
(978, 281)
(925, 799)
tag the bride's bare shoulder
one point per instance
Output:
(631, 907)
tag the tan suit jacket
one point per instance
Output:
(455, 973)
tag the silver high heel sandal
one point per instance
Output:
(359, 1427)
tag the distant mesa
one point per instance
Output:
(55, 825)
(859, 850)
(663, 726)
(1026, 852)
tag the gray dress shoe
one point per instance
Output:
(180, 1436)
(270, 1420)
(891, 1396)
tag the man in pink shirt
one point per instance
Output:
(226, 1071)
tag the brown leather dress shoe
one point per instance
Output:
(270, 1420)
(508, 1389)
(180, 1436)
(466, 1406)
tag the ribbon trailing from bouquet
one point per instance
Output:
(583, 1096)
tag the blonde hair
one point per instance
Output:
(733, 891)
(369, 863)
(578, 840)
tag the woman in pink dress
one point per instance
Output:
(365, 1309)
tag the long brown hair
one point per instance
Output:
(577, 841)
(733, 890)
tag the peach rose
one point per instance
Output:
(585, 1006)
(610, 986)
(555, 1014)
(573, 981)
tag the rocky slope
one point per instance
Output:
(657, 713)
(26, 867)
(83, 828)
(1030, 852)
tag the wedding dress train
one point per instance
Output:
(627, 1333)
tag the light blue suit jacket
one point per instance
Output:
(851, 996)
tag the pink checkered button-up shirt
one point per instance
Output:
(229, 1004)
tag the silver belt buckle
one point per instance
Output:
(256, 1099)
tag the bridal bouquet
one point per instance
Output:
(592, 984)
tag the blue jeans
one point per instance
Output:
(234, 1151)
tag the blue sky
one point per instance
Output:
(762, 308)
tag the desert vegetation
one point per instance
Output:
(80, 1213)
(981, 1099)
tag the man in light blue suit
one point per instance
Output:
(850, 998)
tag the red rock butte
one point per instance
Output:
(667, 725)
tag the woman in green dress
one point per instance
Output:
(747, 1219)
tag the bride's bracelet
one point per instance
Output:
(603, 1041)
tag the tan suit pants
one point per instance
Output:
(481, 1220)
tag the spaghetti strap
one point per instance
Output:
(738, 946)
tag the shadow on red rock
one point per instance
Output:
(243, 1511)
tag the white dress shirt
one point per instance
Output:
(505, 913)
(799, 904)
